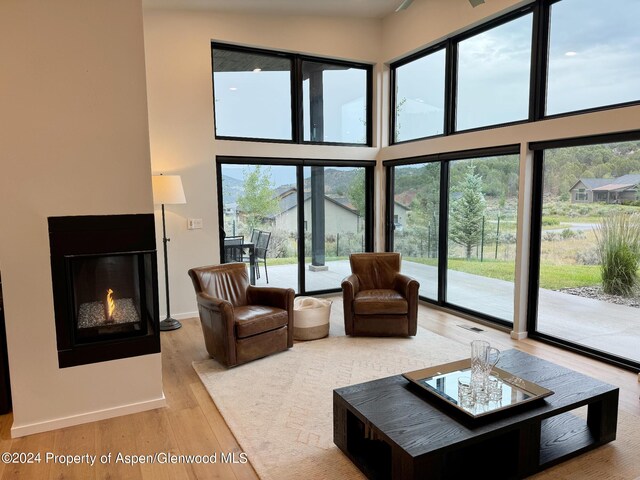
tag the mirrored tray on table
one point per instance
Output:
(442, 382)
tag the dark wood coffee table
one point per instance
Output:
(390, 429)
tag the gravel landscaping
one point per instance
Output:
(598, 294)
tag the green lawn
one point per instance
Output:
(294, 260)
(552, 277)
(563, 220)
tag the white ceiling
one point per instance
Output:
(350, 8)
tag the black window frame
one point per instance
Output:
(450, 44)
(541, 11)
(535, 243)
(543, 65)
(393, 85)
(297, 117)
(445, 160)
(300, 164)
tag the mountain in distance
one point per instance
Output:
(337, 182)
(231, 189)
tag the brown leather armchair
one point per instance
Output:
(378, 300)
(241, 322)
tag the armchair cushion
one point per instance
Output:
(381, 301)
(254, 319)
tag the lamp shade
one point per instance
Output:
(167, 190)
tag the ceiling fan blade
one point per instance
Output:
(404, 5)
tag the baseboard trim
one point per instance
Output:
(29, 429)
(183, 316)
(518, 335)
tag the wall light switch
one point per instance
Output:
(194, 223)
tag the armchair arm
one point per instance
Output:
(352, 283)
(217, 320)
(409, 287)
(271, 296)
(350, 287)
(214, 304)
(405, 284)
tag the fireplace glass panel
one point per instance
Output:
(110, 295)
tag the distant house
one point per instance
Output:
(606, 190)
(340, 215)
(400, 214)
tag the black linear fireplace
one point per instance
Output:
(105, 287)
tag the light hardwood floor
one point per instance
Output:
(191, 424)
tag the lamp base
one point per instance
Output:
(169, 324)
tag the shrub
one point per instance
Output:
(507, 238)
(567, 234)
(550, 236)
(584, 210)
(550, 221)
(618, 238)
(588, 257)
(280, 244)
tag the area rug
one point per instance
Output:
(280, 408)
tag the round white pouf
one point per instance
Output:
(311, 318)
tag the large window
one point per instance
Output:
(277, 96)
(482, 224)
(416, 222)
(589, 247)
(465, 260)
(335, 223)
(419, 97)
(594, 54)
(494, 74)
(334, 103)
(262, 198)
(305, 248)
(586, 56)
(549, 58)
(252, 94)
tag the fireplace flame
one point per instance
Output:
(111, 305)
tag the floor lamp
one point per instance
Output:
(167, 190)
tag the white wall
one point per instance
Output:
(178, 56)
(427, 22)
(74, 138)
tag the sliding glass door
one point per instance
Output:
(454, 219)
(306, 248)
(416, 223)
(482, 226)
(261, 201)
(588, 244)
(334, 223)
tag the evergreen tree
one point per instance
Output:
(465, 219)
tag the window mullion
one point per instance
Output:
(451, 74)
(539, 60)
(296, 100)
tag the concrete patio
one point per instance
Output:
(603, 326)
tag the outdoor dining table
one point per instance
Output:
(251, 248)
